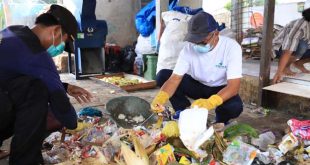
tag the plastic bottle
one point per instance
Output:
(138, 66)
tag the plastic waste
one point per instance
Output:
(90, 111)
(264, 157)
(288, 143)
(308, 149)
(239, 153)
(264, 140)
(171, 129)
(145, 18)
(300, 129)
(275, 155)
(138, 68)
(165, 155)
(193, 129)
(184, 161)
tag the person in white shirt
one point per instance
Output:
(208, 70)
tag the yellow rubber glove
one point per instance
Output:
(158, 102)
(210, 103)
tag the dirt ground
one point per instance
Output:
(275, 121)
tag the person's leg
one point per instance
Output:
(230, 109)
(30, 99)
(287, 70)
(299, 64)
(6, 119)
(187, 88)
(302, 54)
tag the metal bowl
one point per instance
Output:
(130, 106)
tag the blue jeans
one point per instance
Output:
(192, 88)
(302, 51)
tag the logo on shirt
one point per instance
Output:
(221, 66)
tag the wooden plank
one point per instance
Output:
(290, 89)
(266, 50)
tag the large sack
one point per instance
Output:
(171, 42)
(228, 33)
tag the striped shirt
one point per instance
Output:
(288, 38)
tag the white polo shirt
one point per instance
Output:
(214, 68)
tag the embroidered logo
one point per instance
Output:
(221, 66)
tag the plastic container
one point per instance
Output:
(150, 73)
(138, 66)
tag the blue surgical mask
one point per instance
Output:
(53, 50)
(203, 48)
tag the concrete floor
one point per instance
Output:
(275, 121)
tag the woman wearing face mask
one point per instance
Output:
(30, 87)
(208, 70)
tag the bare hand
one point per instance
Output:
(80, 94)
(277, 78)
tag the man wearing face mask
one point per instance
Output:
(208, 70)
(30, 87)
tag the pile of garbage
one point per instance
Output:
(99, 140)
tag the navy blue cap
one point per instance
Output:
(199, 26)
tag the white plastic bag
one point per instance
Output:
(193, 129)
(144, 45)
(171, 42)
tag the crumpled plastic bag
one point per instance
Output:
(193, 129)
(239, 153)
(300, 128)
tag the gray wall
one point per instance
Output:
(120, 17)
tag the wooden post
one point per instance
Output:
(161, 6)
(266, 49)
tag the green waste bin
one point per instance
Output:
(150, 73)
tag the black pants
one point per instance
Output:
(23, 110)
(189, 87)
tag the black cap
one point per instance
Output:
(199, 26)
(67, 22)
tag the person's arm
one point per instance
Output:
(284, 59)
(171, 84)
(165, 92)
(80, 94)
(41, 66)
(230, 90)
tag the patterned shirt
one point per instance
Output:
(289, 37)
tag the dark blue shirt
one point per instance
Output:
(21, 53)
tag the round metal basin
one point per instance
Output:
(130, 107)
